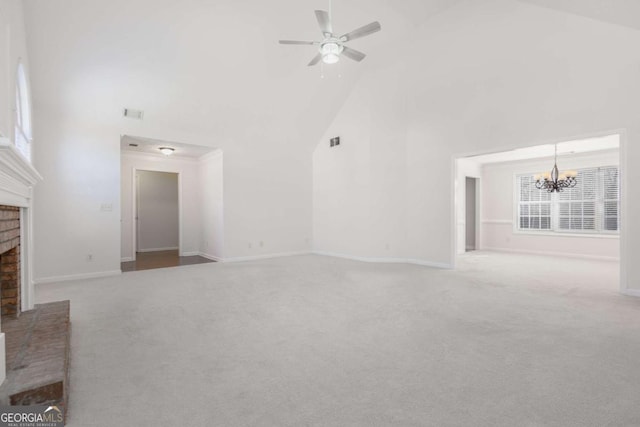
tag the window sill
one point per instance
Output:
(556, 234)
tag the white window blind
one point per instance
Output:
(592, 206)
(534, 208)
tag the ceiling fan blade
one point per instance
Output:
(362, 31)
(325, 22)
(294, 42)
(356, 55)
(315, 60)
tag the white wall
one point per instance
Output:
(158, 211)
(481, 77)
(190, 218)
(13, 50)
(267, 199)
(210, 172)
(498, 210)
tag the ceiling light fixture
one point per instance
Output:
(331, 51)
(167, 151)
(554, 180)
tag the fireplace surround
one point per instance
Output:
(10, 261)
(17, 180)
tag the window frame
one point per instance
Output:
(599, 232)
(23, 125)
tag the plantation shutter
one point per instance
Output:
(577, 205)
(611, 198)
(592, 206)
(534, 206)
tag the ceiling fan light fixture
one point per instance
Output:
(330, 52)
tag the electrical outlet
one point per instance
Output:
(89, 257)
(261, 244)
(250, 245)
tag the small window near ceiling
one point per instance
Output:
(23, 135)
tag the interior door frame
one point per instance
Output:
(476, 217)
(134, 207)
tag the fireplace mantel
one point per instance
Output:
(17, 176)
(17, 179)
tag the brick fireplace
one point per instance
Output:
(10, 282)
(17, 180)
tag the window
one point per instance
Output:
(592, 206)
(534, 208)
(23, 115)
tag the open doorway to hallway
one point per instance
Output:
(172, 200)
(157, 212)
(518, 213)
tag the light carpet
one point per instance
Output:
(505, 340)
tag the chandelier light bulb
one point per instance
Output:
(555, 181)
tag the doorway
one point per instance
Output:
(157, 211)
(471, 208)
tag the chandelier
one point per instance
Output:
(554, 180)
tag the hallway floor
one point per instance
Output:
(161, 259)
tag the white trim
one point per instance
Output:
(624, 194)
(193, 253)
(82, 276)
(567, 234)
(15, 166)
(3, 358)
(146, 155)
(265, 256)
(172, 248)
(134, 204)
(631, 292)
(554, 254)
(211, 257)
(127, 259)
(386, 260)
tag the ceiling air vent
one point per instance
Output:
(133, 114)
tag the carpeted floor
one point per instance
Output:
(505, 340)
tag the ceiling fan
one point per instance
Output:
(331, 46)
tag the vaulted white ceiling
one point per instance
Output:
(214, 69)
(207, 68)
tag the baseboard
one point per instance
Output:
(554, 254)
(631, 292)
(386, 260)
(173, 248)
(265, 256)
(211, 257)
(195, 253)
(432, 264)
(126, 259)
(83, 276)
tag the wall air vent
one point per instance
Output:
(133, 114)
